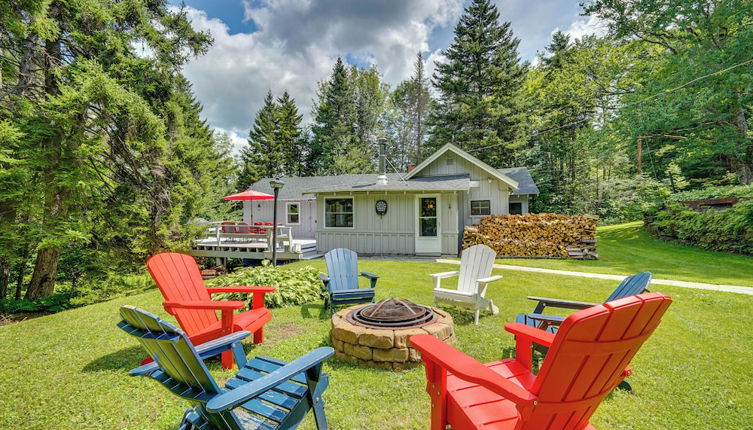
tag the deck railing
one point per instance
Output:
(284, 235)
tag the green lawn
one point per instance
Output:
(68, 370)
(626, 249)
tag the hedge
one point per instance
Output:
(728, 230)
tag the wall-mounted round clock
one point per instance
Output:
(381, 207)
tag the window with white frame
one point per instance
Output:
(293, 214)
(481, 207)
(338, 213)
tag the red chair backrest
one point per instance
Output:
(587, 359)
(179, 279)
(243, 228)
(268, 223)
(228, 227)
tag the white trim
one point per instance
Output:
(287, 212)
(324, 212)
(468, 157)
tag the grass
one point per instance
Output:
(68, 370)
(625, 249)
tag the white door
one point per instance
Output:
(428, 224)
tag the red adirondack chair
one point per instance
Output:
(587, 359)
(188, 299)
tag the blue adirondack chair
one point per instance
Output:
(265, 394)
(630, 286)
(342, 279)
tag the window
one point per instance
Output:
(338, 213)
(516, 208)
(293, 214)
(481, 207)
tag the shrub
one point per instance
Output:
(729, 230)
(294, 286)
(712, 193)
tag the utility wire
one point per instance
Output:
(651, 97)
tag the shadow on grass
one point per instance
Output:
(310, 310)
(125, 359)
(462, 316)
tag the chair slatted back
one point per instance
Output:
(181, 369)
(342, 268)
(475, 263)
(243, 228)
(179, 279)
(228, 227)
(588, 357)
(631, 286)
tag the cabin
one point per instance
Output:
(421, 212)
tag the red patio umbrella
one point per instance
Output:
(249, 195)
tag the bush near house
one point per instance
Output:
(727, 230)
(294, 286)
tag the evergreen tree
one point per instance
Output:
(289, 135)
(334, 145)
(110, 142)
(420, 101)
(478, 87)
(264, 156)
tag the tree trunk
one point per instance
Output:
(21, 271)
(4, 277)
(743, 163)
(45, 271)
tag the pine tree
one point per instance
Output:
(478, 85)
(334, 139)
(289, 135)
(263, 157)
(420, 101)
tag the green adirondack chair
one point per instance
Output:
(265, 394)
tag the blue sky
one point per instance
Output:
(275, 45)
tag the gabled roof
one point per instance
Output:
(302, 188)
(396, 183)
(468, 157)
(526, 185)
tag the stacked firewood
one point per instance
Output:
(536, 235)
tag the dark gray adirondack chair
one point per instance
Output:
(630, 286)
(265, 394)
(342, 280)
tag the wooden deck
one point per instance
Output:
(254, 249)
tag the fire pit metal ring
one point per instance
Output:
(392, 313)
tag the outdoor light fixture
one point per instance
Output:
(276, 184)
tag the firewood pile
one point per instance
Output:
(536, 235)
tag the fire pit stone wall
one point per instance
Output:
(384, 347)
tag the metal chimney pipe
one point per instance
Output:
(382, 178)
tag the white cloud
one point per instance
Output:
(586, 26)
(295, 46)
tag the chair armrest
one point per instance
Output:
(559, 303)
(550, 319)
(443, 275)
(489, 279)
(324, 279)
(205, 350)
(468, 369)
(246, 392)
(218, 305)
(369, 275)
(214, 290)
(539, 336)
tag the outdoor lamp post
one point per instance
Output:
(276, 184)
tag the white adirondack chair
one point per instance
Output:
(473, 277)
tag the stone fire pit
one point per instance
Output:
(358, 338)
